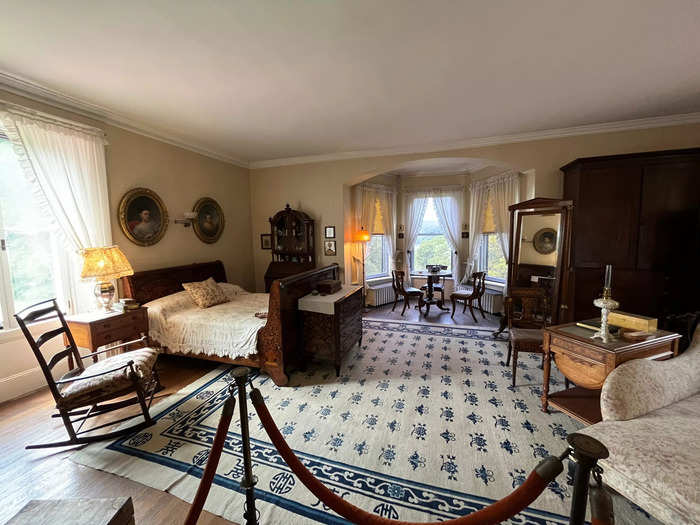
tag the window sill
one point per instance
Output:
(385, 279)
(13, 334)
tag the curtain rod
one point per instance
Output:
(48, 118)
(431, 188)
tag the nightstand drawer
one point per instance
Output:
(120, 321)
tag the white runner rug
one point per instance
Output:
(421, 425)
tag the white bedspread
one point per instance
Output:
(225, 330)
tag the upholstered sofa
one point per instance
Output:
(651, 425)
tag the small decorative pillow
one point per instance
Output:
(205, 293)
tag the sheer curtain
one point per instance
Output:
(448, 208)
(387, 204)
(416, 204)
(65, 163)
(479, 193)
(505, 190)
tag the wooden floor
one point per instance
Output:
(435, 316)
(49, 474)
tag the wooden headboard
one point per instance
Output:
(153, 284)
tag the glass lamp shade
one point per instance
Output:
(105, 264)
(361, 236)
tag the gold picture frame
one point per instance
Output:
(143, 216)
(209, 223)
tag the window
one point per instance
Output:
(377, 259)
(431, 245)
(29, 250)
(491, 258)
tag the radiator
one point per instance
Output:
(380, 294)
(492, 302)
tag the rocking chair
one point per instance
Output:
(83, 393)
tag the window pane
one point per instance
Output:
(431, 249)
(27, 234)
(430, 224)
(376, 257)
(497, 267)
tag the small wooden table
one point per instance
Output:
(433, 278)
(95, 329)
(332, 321)
(587, 362)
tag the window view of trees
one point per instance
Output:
(431, 245)
(376, 260)
(28, 237)
(491, 257)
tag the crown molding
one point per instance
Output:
(588, 129)
(29, 89)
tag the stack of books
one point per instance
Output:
(125, 304)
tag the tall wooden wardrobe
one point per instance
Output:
(641, 213)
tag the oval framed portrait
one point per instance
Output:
(142, 216)
(209, 223)
(545, 241)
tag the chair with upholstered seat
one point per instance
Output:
(526, 310)
(87, 392)
(469, 295)
(397, 283)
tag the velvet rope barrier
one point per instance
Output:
(212, 461)
(501, 510)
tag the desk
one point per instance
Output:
(95, 329)
(331, 321)
(432, 278)
(587, 362)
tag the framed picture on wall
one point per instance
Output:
(142, 216)
(209, 222)
(330, 232)
(330, 248)
(266, 241)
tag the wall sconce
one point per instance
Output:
(190, 216)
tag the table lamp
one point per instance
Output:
(105, 264)
(362, 236)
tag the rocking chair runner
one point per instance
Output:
(397, 283)
(82, 393)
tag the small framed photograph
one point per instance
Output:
(401, 235)
(266, 241)
(330, 232)
(329, 248)
(465, 235)
(401, 228)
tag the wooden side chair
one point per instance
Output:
(84, 393)
(527, 311)
(469, 295)
(397, 283)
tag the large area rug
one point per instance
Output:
(421, 425)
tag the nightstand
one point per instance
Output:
(333, 322)
(95, 329)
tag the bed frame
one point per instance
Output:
(279, 341)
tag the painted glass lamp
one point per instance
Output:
(104, 265)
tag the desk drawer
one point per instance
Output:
(582, 371)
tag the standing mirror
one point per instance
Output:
(539, 254)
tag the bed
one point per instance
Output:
(272, 344)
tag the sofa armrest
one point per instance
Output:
(641, 386)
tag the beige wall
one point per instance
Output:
(180, 177)
(321, 189)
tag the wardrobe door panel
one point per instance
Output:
(607, 216)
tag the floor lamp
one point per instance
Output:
(363, 236)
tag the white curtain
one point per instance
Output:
(505, 191)
(65, 163)
(364, 207)
(448, 208)
(479, 193)
(416, 204)
(387, 205)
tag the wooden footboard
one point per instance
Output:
(279, 341)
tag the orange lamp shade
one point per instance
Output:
(361, 236)
(105, 264)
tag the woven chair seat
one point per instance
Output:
(86, 392)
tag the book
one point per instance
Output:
(636, 322)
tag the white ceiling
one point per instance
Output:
(261, 79)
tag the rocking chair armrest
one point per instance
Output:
(80, 378)
(92, 354)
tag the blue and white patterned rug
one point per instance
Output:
(422, 425)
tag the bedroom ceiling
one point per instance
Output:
(258, 80)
